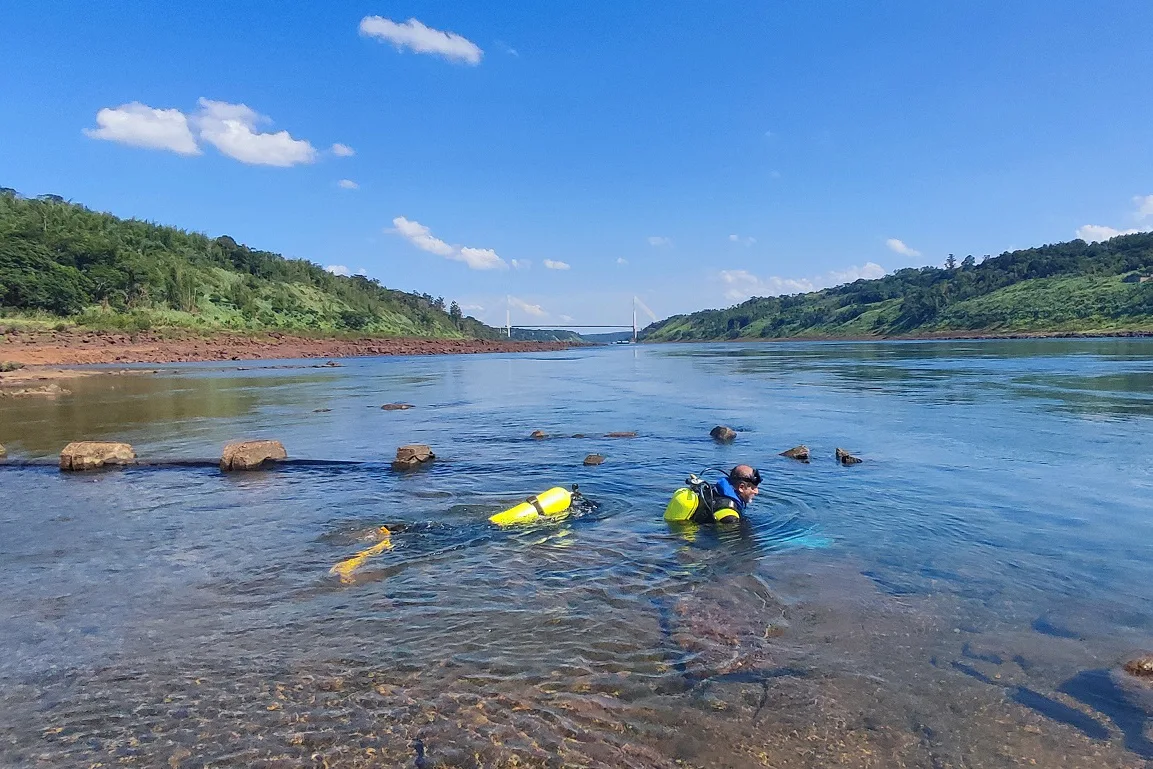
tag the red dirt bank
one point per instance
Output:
(58, 348)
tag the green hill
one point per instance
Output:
(1074, 287)
(61, 260)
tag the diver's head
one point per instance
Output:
(746, 481)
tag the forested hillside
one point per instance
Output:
(1066, 287)
(93, 268)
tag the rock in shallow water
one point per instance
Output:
(621, 435)
(797, 452)
(3, 452)
(1142, 667)
(845, 458)
(89, 455)
(251, 455)
(538, 435)
(411, 456)
(723, 434)
(396, 406)
(594, 459)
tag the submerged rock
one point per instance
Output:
(538, 435)
(321, 411)
(723, 434)
(621, 435)
(396, 406)
(797, 452)
(1141, 667)
(251, 455)
(594, 459)
(89, 455)
(845, 458)
(579, 435)
(411, 456)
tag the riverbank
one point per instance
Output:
(928, 336)
(77, 347)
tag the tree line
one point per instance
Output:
(62, 258)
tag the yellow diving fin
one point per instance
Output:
(345, 568)
(548, 503)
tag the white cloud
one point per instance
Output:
(740, 285)
(348, 184)
(231, 128)
(745, 241)
(1091, 233)
(479, 258)
(421, 39)
(338, 269)
(472, 308)
(659, 240)
(899, 247)
(342, 150)
(422, 237)
(550, 264)
(520, 264)
(622, 260)
(361, 271)
(139, 125)
(567, 318)
(1144, 204)
(532, 309)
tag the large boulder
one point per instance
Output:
(797, 452)
(723, 434)
(251, 455)
(845, 458)
(412, 456)
(89, 455)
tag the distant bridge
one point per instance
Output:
(508, 327)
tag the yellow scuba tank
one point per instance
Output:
(552, 502)
(682, 506)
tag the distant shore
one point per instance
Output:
(76, 347)
(935, 336)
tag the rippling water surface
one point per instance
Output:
(961, 598)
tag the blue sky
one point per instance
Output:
(689, 153)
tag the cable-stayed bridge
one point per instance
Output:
(508, 326)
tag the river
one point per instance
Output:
(963, 597)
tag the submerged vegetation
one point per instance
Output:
(1069, 287)
(62, 260)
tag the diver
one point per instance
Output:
(723, 501)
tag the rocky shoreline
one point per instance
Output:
(70, 347)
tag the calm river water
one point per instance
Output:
(961, 598)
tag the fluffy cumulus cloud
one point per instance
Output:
(740, 285)
(419, 38)
(534, 310)
(656, 241)
(1091, 233)
(342, 150)
(348, 184)
(231, 128)
(555, 265)
(1142, 211)
(338, 269)
(898, 247)
(139, 125)
(422, 237)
